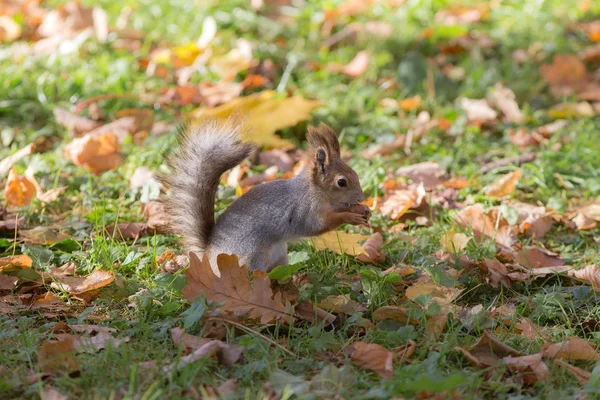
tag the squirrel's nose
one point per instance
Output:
(361, 197)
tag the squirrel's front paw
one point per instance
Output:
(360, 209)
(356, 219)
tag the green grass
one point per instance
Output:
(32, 87)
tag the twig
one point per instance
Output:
(518, 160)
(256, 333)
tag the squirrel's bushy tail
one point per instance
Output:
(205, 152)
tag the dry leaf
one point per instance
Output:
(505, 185)
(356, 67)
(8, 282)
(56, 357)
(441, 294)
(429, 173)
(581, 375)
(490, 225)
(458, 15)
(398, 202)
(573, 348)
(99, 153)
(186, 341)
(80, 285)
(565, 75)
(498, 273)
(531, 368)
(478, 111)
(372, 248)
(20, 191)
(341, 242)
(53, 394)
(535, 257)
(503, 99)
(76, 124)
(235, 61)
(266, 113)
(127, 230)
(341, 303)
(234, 288)
(372, 357)
(590, 273)
(311, 313)
(227, 355)
(15, 263)
(410, 103)
(528, 329)
(8, 162)
(533, 221)
(586, 217)
(487, 352)
(454, 242)
(396, 313)
(140, 177)
(582, 109)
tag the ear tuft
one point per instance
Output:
(324, 137)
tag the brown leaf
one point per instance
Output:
(226, 353)
(533, 221)
(589, 273)
(487, 352)
(311, 313)
(573, 348)
(92, 344)
(398, 202)
(372, 357)
(490, 225)
(505, 185)
(498, 273)
(186, 341)
(64, 270)
(535, 257)
(98, 153)
(581, 375)
(429, 173)
(586, 217)
(8, 282)
(7, 163)
(531, 368)
(234, 288)
(76, 124)
(529, 329)
(565, 74)
(15, 263)
(127, 230)
(440, 294)
(80, 285)
(372, 248)
(396, 313)
(56, 357)
(156, 216)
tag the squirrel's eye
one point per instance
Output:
(342, 182)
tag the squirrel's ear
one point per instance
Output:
(324, 138)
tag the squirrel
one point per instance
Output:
(257, 226)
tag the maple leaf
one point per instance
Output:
(372, 357)
(266, 113)
(234, 288)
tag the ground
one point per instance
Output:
(295, 52)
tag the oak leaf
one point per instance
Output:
(234, 288)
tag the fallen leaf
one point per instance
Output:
(266, 113)
(589, 273)
(478, 111)
(55, 357)
(372, 357)
(581, 375)
(98, 153)
(396, 313)
(9, 29)
(534, 221)
(76, 124)
(498, 273)
(186, 341)
(490, 225)
(573, 348)
(227, 354)
(410, 103)
(372, 248)
(92, 344)
(441, 294)
(503, 99)
(53, 394)
(428, 173)
(80, 285)
(8, 282)
(528, 329)
(531, 368)
(140, 177)
(7, 163)
(127, 230)
(310, 312)
(582, 109)
(356, 67)
(20, 191)
(398, 202)
(341, 303)
(454, 242)
(235, 61)
(586, 217)
(341, 242)
(565, 75)
(234, 288)
(535, 257)
(505, 185)
(487, 352)
(15, 263)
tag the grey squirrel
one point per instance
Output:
(257, 226)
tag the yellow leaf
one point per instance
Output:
(341, 242)
(454, 242)
(188, 53)
(572, 110)
(264, 114)
(410, 103)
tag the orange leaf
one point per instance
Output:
(410, 103)
(372, 357)
(20, 191)
(99, 153)
(505, 185)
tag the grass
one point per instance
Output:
(33, 86)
